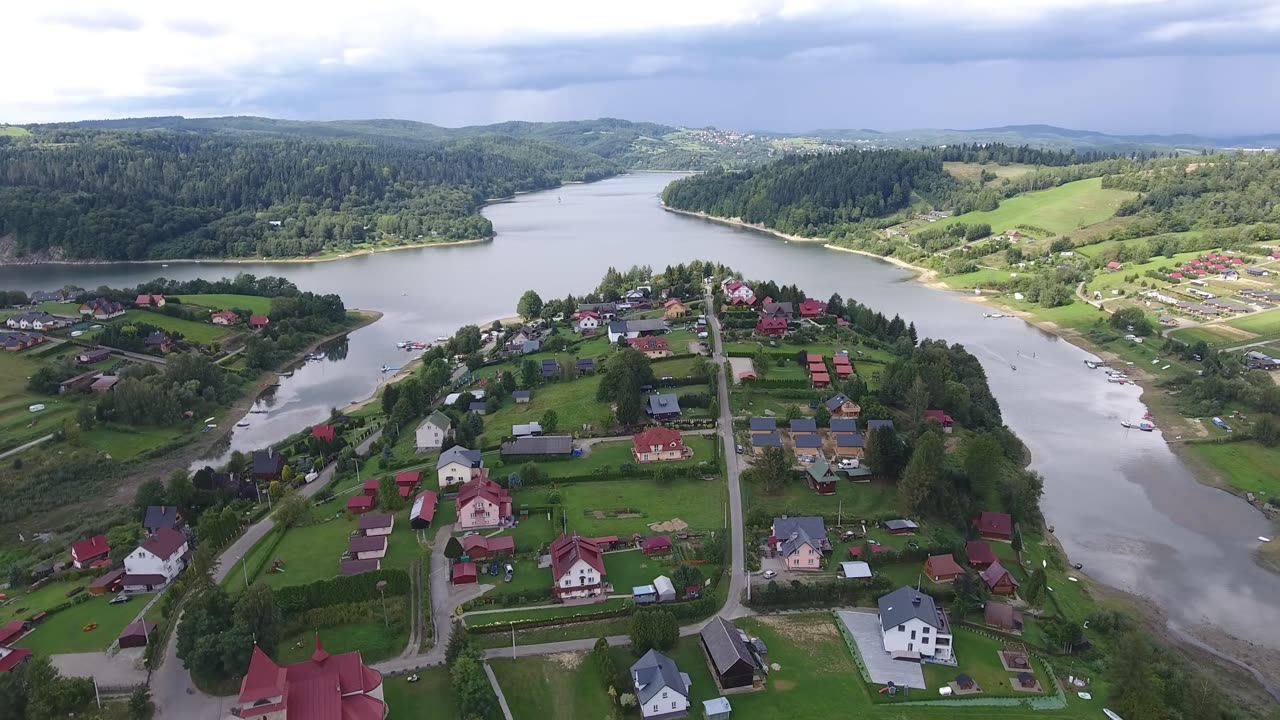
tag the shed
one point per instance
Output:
(371, 487)
(521, 396)
(136, 634)
(900, 527)
(717, 709)
(644, 594)
(855, 570)
(464, 573)
(732, 660)
(666, 590)
(423, 510)
(942, 568)
(357, 567)
(359, 503)
(656, 545)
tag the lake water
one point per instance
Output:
(1121, 502)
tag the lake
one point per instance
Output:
(1121, 503)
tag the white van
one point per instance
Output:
(36, 408)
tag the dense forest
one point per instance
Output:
(83, 193)
(1220, 192)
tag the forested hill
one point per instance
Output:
(121, 194)
(808, 195)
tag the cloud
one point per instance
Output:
(102, 19)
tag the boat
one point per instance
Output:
(1111, 715)
(1091, 364)
(164, 265)
(1126, 423)
(259, 412)
(1264, 539)
(1117, 380)
(243, 423)
(402, 344)
(1146, 426)
(442, 339)
(1013, 367)
(208, 420)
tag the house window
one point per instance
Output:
(664, 696)
(913, 634)
(902, 628)
(924, 641)
(926, 631)
(910, 647)
(673, 706)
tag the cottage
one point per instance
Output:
(585, 366)
(776, 309)
(158, 341)
(810, 308)
(773, 326)
(360, 503)
(358, 567)
(89, 552)
(662, 691)
(807, 444)
(801, 541)
(606, 311)
(529, 429)
(94, 356)
(763, 425)
(850, 445)
(372, 486)
(42, 321)
(843, 425)
(659, 444)
(457, 465)
(12, 657)
(225, 318)
(326, 686)
(644, 594)
(79, 383)
(912, 624)
(161, 517)
(550, 368)
(577, 567)
(630, 329)
(762, 440)
(482, 503)
(734, 663)
(979, 553)
(156, 562)
(821, 380)
(1113, 266)
(15, 340)
(803, 425)
(995, 525)
(821, 478)
(12, 630)
(267, 465)
(999, 580)
(653, 347)
(879, 425)
(540, 445)
(423, 510)
(588, 322)
(367, 548)
(257, 322)
(941, 417)
(521, 397)
(323, 433)
(839, 405)
(942, 568)
(1002, 616)
(377, 525)
(1258, 271)
(149, 300)
(656, 545)
(101, 309)
(737, 292)
(479, 547)
(673, 308)
(664, 407)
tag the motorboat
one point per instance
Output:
(243, 423)
(1146, 426)
(1126, 423)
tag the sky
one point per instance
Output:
(1120, 66)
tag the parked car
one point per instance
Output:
(121, 598)
(739, 449)
(848, 463)
(769, 574)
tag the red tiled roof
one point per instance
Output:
(856, 551)
(90, 548)
(942, 566)
(371, 484)
(264, 679)
(11, 630)
(464, 571)
(424, 507)
(164, 543)
(812, 307)
(821, 377)
(408, 478)
(568, 549)
(376, 521)
(258, 320)
(665, 438)
(995, 522)
(649, 343)
(941, 416)
(992, 575)
(481, 487)
(322, 432)
(359, 502)
(841, 359)
(326, 687)
(979, 552)
(772, 323)
(656, 542)
(225, 315)
(15, 656)
(502, 543)
(106, 581)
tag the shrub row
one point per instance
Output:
(795, 383)
(499, 626)
(350, 589)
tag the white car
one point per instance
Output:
(848, 463)
(702, 335)
(768, 574)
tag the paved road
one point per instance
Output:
(737, 565)
(31, 444)
(172, 691)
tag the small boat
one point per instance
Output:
(1117, 380)
(388, 368)
(208, 420)
(164, 265)
(1146, 426)
(402, 344)
(243, 423)
(259, 412)
(1126, 423)
(210, 426)
(1091, 364)
(285, 374)
(1111, 715)
(1264, 539)
(442, 339)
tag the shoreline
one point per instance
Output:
(248, 261)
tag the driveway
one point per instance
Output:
(116, 673)
(883, 669)
(739, 365)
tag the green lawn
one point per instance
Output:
(556, 633)
(544, 613)
(252, 303)
(563, 686)
(430, 698)
(573, 400)
(198, 332)
(759, 403)
(1264, 323)
(977, 657)
(855, 499)
(614, 454)
(1207, 333)
(631, 568)
(1247, 466)
(12, 131)
(64, 632)
(54, 593)
(1058, 210)
(527, 576)
(312, 552)
(123, 442)
(17, 423)
(700, 503)
(984, 278)
(375, 640)
(57, 308)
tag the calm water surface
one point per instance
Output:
(1121, 503)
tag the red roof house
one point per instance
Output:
(423, 510)
(812, 308)
(979, 553)
(1113, 265)
(995, 525)
(371, 487)
(650, 345)
(856, 551)
(656, 545)
(659, 444)
(360, 503)
(323, 433)
(149, 300)
(776, 326)
(482, 502)
(999, 581)
(577, 567)
(12, 631)
(1237, 261)
(464, 573)
(1177, 275)
(85, 552)
(942, 417)
(258, 321)
(408, 477)
(479, 547)
(821, 379)
(942, 568)
(332, 687)
(11, 657)
(224, 317)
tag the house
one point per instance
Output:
(157, 340)
(347, 568)
(843, 425)
(479, 547)
(35, 321)
(656, 545)
(423, 510)
(44, 296)
(1002, 616)
(161, 517)
(771, 309)
(810, 308)
(482, 503)
(105, 383)
(326, 686)
(733, 662)
(550, 367)
(774, 326)
(943, 419)
(659, 444)
(111, 582)
(516, 342)
(12, 630)
(664, 407)
(588, 322)
(225, 318)
(850, 445)
(653, 347)
(101, 309)
(79, 383)
(257, 322)
(136, 634)
(528, 429)
(457, 465)
(367, 548)
(377, 525)
(521, 396)
(323, 433)
(1257, 271)
(801, 541)
(267, 465)
(900, 527)
(673, 308)
(665, 590)
(577, 567)
(606, 311)
(432, 431)
(94, 356)
(737, 292)
(464, 573)
(807, 444)
(839, 405)
(911, 623)
(88, 551)
(820, 477)
(1113, 265)
(760, 441)
(585, 366)
(372, 487)
(543, 445)
(149, 300)
(360, 503)
(630, 329)
(763, 425)
(979, 553)
(995, 525)
(942, 568)
(999, 580)
(1260, 361)
(156, 562)
(662, 691)
(644, 594)
(530, 347)
(803, 425)
(12, 657)
(821, 380)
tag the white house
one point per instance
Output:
(736, 291)
(588, 321)
(455, 465)
(156, 562)
(911, 624)
(431, 433)
(577, 567)
(662, 691)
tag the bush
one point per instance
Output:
(352, 589)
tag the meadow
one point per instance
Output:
(1059, 210)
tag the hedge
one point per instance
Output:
(794, 383)
(500, 626)
(821, 594)
(350, 589)
(680, 382)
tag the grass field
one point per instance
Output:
(573, 400)
(203, 333)
(700, 503)
(613, 454)
(12, 131)
(984, 278)
(430, 698)
(1059, 210)
(64, 632)
(1263, 323)
(375, 640)
(554, 633)
(252, 303)
(977, 657)
(544, 613)
(18, 424)
(855, 499)
(563, 686)
(631, 568)
(47, 596)
(312, 552)
(1207, 333)
(1246, 466)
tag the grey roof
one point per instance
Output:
(907, 603)
(808, 441)
(835, 401)
(439, 420)
(768, 439)
(459, 454)
(618, 327)
(586, 364)
(900, 525)
(663, 403)
(655, 671)
(531, 346)
(725, 645)
(540, 445)
(521, 394)
(804, 425)
(160, 516)
(156, 338)
(878, 424)
(854, 440)
(763, 424)
(478, 406)
(792, 532)
(598, 307)
(844, 425)
(651, 325)
(267, 462)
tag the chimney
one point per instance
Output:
(915, 600)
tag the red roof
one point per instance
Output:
(326, 687)
(258, 320)
(979, 552)
(649, 343)
(733, 286)
(1113, 265)
(821, 377)
(464, 572)
(225, 315)
(672, 302)
(992, 575)
(656, 542)
(371, 486)
(941, 416)
(810, 307)
(1175, 275)
(164, 543)
(812, 357)
(142, 300)
(502, 543)
(995, 523)
(658, 436)
(322, 432)
(856, 551)
(818, 366)
(88, 549)
(1237, 261)
(943, 566)
(11, 630)
(15, 656)
(1200, 272)
(1219, 266)
(569, 549)
(408, 477)
(360, 502)
(841, 360)
(771, 323)
(424, 507)
(481, 487)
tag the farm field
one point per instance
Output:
(1263, 323)
(18, 424)
(64, 632)
(535, 636)
(1208, 333)
(252, 303)
(986, 277)
(1058, 210)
